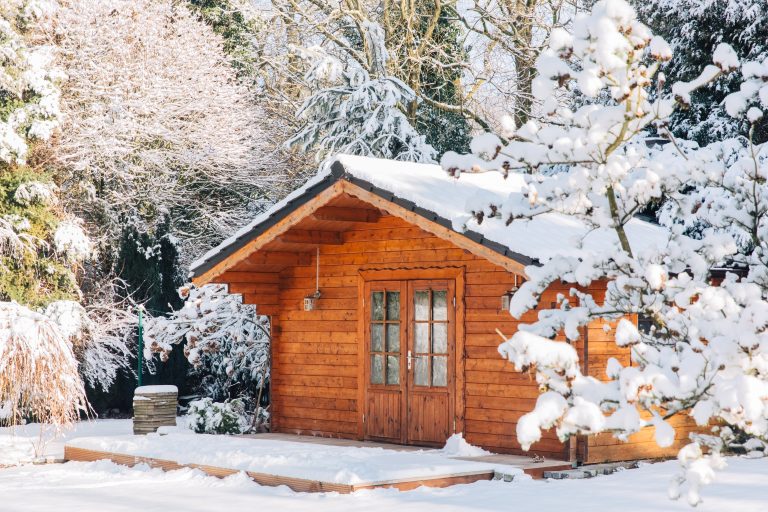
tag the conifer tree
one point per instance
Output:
(694, 28)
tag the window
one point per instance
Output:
(430, 338)
(385, 337)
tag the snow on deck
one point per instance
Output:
(430, 187)
(323, 463)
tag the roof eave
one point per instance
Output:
(339, 172)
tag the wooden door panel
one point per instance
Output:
(428, 420)
(431, 358)
(384, 376)
(410, 361)
(384, 418)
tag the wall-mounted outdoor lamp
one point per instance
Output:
(506, 297)
(310, 301)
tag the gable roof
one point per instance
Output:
(428, 191)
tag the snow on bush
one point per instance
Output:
(28, 81)
(101, 337)
(705, 354)
(71, 241)
(35, 192)
(13, 241)
(208, 417)
(224, 339)
(38, 370)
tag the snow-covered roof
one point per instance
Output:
(429, 191)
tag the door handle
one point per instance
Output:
(409, 358)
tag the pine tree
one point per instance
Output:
(356, 105)
(695, 28)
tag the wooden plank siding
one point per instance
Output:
(317, 355)
(605, 447)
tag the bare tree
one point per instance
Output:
(507, 37)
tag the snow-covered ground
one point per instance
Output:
(106, 487)
(25, 443)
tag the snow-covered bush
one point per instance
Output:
(39, 376)
(224, 340)
(29, 93)
(705, 353)
(101, 336)
(35, 192)
(208, 417)
(71, 241)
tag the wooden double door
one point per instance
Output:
(410, 361)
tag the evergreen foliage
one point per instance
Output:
(237, 30)
(34, 275)
(441, 82)
(694, 28)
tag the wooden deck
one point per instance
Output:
(527, 464)
(72, 453)
(535, 469)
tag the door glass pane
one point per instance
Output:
(393, 369)
(439, 305)
(421, 338)
(439, 371)
(421, 370)
(377, 306)
(377, 369)
(421, 305)
(440, 338)
(393, 337)
(377, 337)
(393, 305)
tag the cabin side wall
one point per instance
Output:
(605, 447)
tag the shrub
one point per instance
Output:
(208, 417)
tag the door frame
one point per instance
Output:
(402, 273)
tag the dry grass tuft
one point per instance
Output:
(39, 378)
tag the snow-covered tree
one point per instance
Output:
(225, 340)
(694, 28)
(40, 245)
(29, 92)
(157, 124)
(356, 106)
(704, 353)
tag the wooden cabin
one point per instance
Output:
(385, 298)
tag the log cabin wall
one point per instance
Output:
(316, 354)
(602, 346)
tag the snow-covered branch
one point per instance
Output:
(703, 350)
